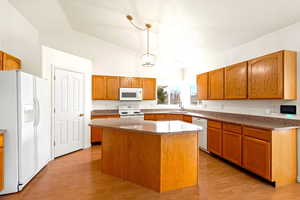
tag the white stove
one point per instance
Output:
(130, 112)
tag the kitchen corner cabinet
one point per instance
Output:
(96, 133)
(202, 86)
(1, 162)
(216, 84)
(9, 62)
(273, 76)
(149, 88)
(236, 81)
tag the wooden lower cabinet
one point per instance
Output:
(96, 133)
(232, 147)
(257, 156)
(270, 154)
(1, 162)
(214, 140)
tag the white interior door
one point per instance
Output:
(68, 105)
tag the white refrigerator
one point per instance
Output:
(25, 113)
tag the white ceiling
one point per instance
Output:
(181, 27)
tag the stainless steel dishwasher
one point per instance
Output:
(202, 136)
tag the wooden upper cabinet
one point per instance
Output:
(129, 82)
(273, 76)
(136, 82)
(149, 88)
(125, 82)
(216, 84)
(105, 87)
(236, 81)
(98, 87)
(1, 60)
(9, 62)
(202, 86)
(112, 87)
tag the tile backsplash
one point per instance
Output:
(113, 105)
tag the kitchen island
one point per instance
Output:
(161, 155)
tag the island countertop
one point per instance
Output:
(145, 126)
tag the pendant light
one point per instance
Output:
(148, 59)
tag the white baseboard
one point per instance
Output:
(298, 179)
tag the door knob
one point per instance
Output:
(81, 115)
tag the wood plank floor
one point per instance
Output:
(78, 177)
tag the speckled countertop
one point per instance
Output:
(145, 126)
(270, 123)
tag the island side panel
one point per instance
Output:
(114, 153)
(144, 159)
(179, 161)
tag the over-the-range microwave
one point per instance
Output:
(131, 94)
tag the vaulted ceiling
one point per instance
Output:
(180, 27)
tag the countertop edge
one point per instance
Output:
(146, 132)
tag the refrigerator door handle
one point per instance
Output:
(38, 117)
(35, 111)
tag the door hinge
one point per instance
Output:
(54, 143)
(54, 110)
(54, 78)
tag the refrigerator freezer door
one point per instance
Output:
(27, 138)
(43, 98)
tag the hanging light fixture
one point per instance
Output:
(148, 59)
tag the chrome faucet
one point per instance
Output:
(181, 105)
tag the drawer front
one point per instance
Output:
(214, 124)
(150, 117)
(174, 117)
(104, 116)
(260, 134)
(1, 141)
(187, 118)
(232, 127)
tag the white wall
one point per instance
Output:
(55, 58)
(19, 38)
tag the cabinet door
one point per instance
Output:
(214, 140)
(98, 87)
(1, 60)
(236, 81)
(11, 62)
(265, 77)
(96, 134)
(125, 82)
(149, 88)
(137, 83)
(256, 156)
(112, 87)
(1, 168)
(216, 84)
(232, 147)
(202, 86)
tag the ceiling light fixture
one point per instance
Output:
(148, 58)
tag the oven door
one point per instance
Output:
(130, 94)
